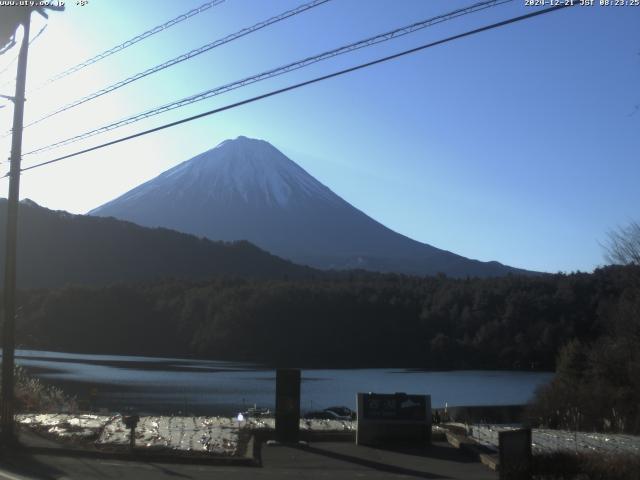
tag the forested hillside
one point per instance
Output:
(57, 248)
(359, 320)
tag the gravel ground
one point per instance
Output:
(546, 440)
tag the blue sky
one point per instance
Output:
(518, 145)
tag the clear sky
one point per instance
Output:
(519, 145)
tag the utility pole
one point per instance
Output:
(9, 324)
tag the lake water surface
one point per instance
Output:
(209, 387)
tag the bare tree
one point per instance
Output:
(623, 245)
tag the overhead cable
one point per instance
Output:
(273, 73)
(302, 84)
(132, 41)
(185, 56)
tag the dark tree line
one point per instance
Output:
(355, 320)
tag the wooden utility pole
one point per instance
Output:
(8, 330)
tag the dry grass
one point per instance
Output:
(31, 395)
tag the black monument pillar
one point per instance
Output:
(287, 405)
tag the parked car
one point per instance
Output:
(325, 415)
(343, 412)
(256, 412)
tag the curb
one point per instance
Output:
(472, 448)
(249, 459)
(328, 436)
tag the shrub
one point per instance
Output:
(597, 385)
(31, 395)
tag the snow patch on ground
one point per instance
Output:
(547, 440)
(65, 425)
(196, 434)
(221, 435)
(214, 435)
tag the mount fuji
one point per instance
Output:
(246, 189)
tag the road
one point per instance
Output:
(335, 461)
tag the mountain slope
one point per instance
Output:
(56, 248)
(247, 189)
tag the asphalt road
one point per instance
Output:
(335, 461)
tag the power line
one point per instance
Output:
(185, 56)
(274, 72)
(168, 24)
(303, 84)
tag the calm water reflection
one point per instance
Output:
(207, 387)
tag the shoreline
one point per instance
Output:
(254, 364)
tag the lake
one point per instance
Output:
(208, 387)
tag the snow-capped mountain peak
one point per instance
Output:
(246, 189)
(250, 169)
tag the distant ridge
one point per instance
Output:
(57, 248)
(246, 189)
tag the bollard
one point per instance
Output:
(131, 421)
